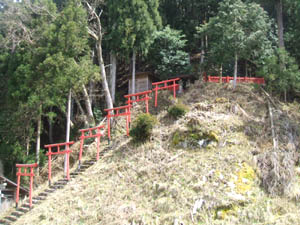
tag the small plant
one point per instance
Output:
(177, 110)
(142, 127)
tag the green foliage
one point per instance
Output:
(167, 55)
(281, 73)
(239, 28)
(177, 110)
(142, 127)
(131, 24)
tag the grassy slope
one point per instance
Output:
(157, 183)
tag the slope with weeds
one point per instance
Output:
(200, 169)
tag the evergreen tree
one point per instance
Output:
(132, 24)
(239, 30)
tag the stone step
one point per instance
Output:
(89, 162)
(61, 182)
(17, 214)
(85, 166)
(75, 173)
(50, 190)
(44, 194)
(22, 209)
(54, 187)
(34, 201)
(4, 222)
(11, 218)
(39, 198)
(26, 205)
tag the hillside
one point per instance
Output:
(215, 165)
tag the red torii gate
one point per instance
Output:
(90, 135)
(50, 153)
(31, 175)
(144, 95)
(165, 84)
(115, 113)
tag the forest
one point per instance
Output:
(56, 53)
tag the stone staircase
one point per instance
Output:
(60, 184)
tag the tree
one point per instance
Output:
(280, 78)
(43, 69)
(95, 31)
(167, 55)
(241, 30)
(133, 23)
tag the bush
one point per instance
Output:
(177, 110)
(142, 127)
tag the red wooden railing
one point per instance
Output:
(138, 97)
(227, 79)
(66, 152)
(173, 86)
(115, 112)
(24, 173)
(90, 134)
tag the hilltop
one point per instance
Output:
(215, 165)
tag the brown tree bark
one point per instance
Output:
(279, 14)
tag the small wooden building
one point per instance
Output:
(143, 82)
(10, 190)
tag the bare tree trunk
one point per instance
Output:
(68, 128)
(275, 144)
(221, 73)
(202, 56)
(235, 69)
(133, 71)
(38, 140)
(278, 7)
(95, 31)
(50, 129)
(27, 145)
(91, 91)
(88, 106)
(113, 75)
(86, 122)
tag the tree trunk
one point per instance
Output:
(221, 73)
(278, 7)
(86, 122)
(68, 128)
(50, 129)
(27, 145)
(113, 75)
(91, 91)
(202, 56)
(96, 33)
(133, 71)
(235, 69)
(88, 106)
(108, 99)
(38, 140)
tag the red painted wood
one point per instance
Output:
(115, 113)
(25, 173)
(90, 135)
(173, 86)
(227, 79)
(144, 95)
(66, 152)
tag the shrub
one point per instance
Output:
(177, 110)
(142, 127)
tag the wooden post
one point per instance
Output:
(31, 186)
(18, 186)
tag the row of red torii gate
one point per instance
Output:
(98, 132)
(94, 132)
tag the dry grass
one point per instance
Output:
(156, 183)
